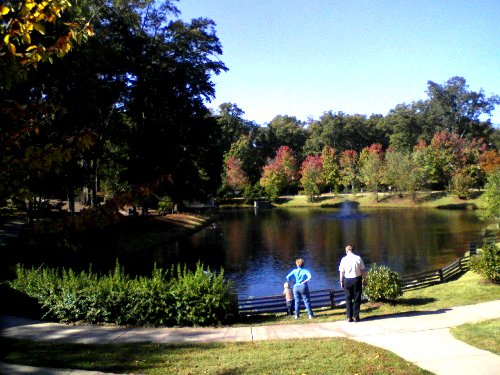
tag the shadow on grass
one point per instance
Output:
(282, 200)
(431, 196)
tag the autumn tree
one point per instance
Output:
(312, 176)
(32, 32)
(279, 172)
(236, 178)
(349, 173)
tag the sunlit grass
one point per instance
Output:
(385, 199)
(309, 356)
(483, 335)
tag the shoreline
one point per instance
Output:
(431, 199)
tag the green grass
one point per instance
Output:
(483, 335)
(388, 200)
(309, 356)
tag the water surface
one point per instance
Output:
(257, 248)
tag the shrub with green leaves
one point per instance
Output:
(165, 205)
(202, 297)
(177, 297)
(383, 284)
(487, 262)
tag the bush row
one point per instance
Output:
(169, 297)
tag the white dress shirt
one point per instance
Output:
(351, 266)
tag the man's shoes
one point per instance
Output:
(296, 317)
(350, 320)
(310, 316)
(357, 319)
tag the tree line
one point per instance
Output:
(109, 99)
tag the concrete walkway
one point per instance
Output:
(422, 338)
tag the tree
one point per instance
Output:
(235, 176)
(489, 161)
(330, 167)
(232, 125)
(401, 172)
(312, 179)
(279, 172)
(492, 197)
(33, 32)
(455, 109)
(286, 131)
(32, 160)
(404, 124)
(349, 168)
(342, 132)
(173, 132)
(251, 162)
(372, 167)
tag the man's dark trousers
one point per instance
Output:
(352, 289)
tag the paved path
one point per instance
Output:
(422, 338)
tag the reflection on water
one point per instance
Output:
(258, 248)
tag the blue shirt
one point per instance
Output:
(301, 275)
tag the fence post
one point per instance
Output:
(441, 275)
(472, 248)
(332, 298)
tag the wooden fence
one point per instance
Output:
(329, 298)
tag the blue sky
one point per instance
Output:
(302, 58)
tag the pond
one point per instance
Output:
(257, 248)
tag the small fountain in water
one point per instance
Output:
(347, 212)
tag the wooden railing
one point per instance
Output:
(424, 279)
(329, 298)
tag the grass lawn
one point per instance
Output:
(483, 335)
(309, 356)
(423, 199)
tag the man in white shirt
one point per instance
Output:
(352, 270)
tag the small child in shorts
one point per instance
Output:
(288, 293)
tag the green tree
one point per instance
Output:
(401, 172)
(404, 124)
(286, 131)
(331, 170)
(372, 167)
(492, 197)
(455, 109)
(232, 125)
(342, 132)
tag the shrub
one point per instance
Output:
(487, 262)
(165, 205)
(188, 298)
(202, 297)
(383, 284)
